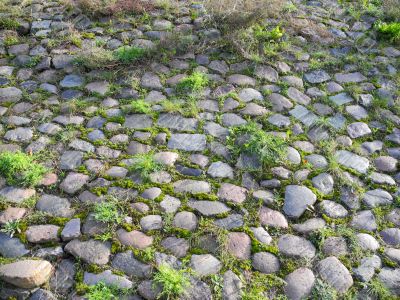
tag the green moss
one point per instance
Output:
(9, 23)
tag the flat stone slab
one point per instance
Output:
(91, 251)
(187, 142)
(340, 99)
(177, 122)
(138, 121)
(352, 161)
(297, 199)
(317, 76)
(192, 186)
(350, 77)
(302, 114)
(209, 208)
(16, 195)
(108, 278)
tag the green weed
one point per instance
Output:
(323, 291)
(140, 106)
(101, 291)
(108, 212)
(11, 228)
(21, 169)
(251, 139)
(127, 54)
(144, 164)
(389, 31)
(378, 290)
(173, 282)
(196, 82)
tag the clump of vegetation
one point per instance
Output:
(101, 291)
(323, 291)
(11, 228)
(239, 14)
(111, 7)
(252, 140)
(10, 24)
(21, 169)
(391, 10)
(108, 212)
(378, 290)
(140, 106)
(389, 31)
(263, 286)
(144, 164)
(98, 57)
(196, 82)
(173, 282)
(128, 54)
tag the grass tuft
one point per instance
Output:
(108, 212)
(144, 164)
(173, 282)
(193, 83)
(252, 140)
(140, 106)
(323, 291)
(20, 169)
(101, 291)
(128, 54)
(389, 31)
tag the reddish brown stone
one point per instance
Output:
(134, 238)
(239, 245)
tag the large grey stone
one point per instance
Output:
(297, 199)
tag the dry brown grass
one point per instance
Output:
(311, 30)
(112, 7)
(239, 14)
(391, 9)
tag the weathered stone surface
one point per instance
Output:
(26, 273)
(127, 263)
(294, 246)
(299, 284)
(297, 199)
(352, 161)
(187, 142)
(91, 251)
(192, 186)
(239, 245)
(11, 247)
(335, 273)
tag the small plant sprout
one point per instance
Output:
(11, 228)
(174, 282)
